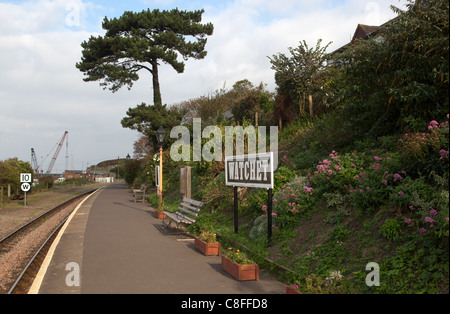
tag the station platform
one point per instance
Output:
(120, 248)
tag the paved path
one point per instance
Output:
(120, 249)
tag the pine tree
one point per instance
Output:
(140, 41)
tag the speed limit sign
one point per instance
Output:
(25, 186)
(25, 177)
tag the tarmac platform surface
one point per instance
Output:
(121, 248)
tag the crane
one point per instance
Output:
(52, 163)
(35, 164)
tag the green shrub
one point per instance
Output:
(391, 229)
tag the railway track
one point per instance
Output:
(23, 251)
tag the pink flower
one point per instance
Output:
(444, 153)
(408, 221)
(429, 219)
(401, 193)
(447, 217)
(377, 158)
(433, 212)
(422, 230)
(397, 177)
(384, 182)
(434, 124)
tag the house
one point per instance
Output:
(365, 32)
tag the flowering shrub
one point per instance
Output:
(427, 151)
(207, 236)
(238, 257)
(294, 197)
(432, 222)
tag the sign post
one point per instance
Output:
(25, 185)
(251, 171)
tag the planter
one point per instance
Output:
(209, 249)
(289, 290)
(240, 272)
(160, 215)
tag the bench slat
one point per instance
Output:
(186, 219)
(193, 202)
(188, 212)
(190, 207)
(172, 216)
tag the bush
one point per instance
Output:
(391, 229)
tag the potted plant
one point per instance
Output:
(207, 244)
(159, 213)
(239, 266)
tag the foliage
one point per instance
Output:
(207, 236)
(314, 284)
(238, 257)
(147, 119)
(46, 181)
(301, 74)
(426, 152)
(131, 169)
(10, 171)
(259, 229)
(391, 229)
(251, 100)
(138, 41)
(407, 66)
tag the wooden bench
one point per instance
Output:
(139, 194)
(187, 212)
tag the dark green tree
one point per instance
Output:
(140, 41)
(401, 75)
(147, 119)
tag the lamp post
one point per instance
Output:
(160, 135)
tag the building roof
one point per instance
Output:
(364, 31)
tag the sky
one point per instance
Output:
(42, 93)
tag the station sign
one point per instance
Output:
(250, 170)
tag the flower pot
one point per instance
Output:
(240, 272)
(290, 290)
(160, 215)
(209, 249)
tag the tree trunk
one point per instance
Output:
(156, 91)
(311, 113)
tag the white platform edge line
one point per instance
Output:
(42, 271)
